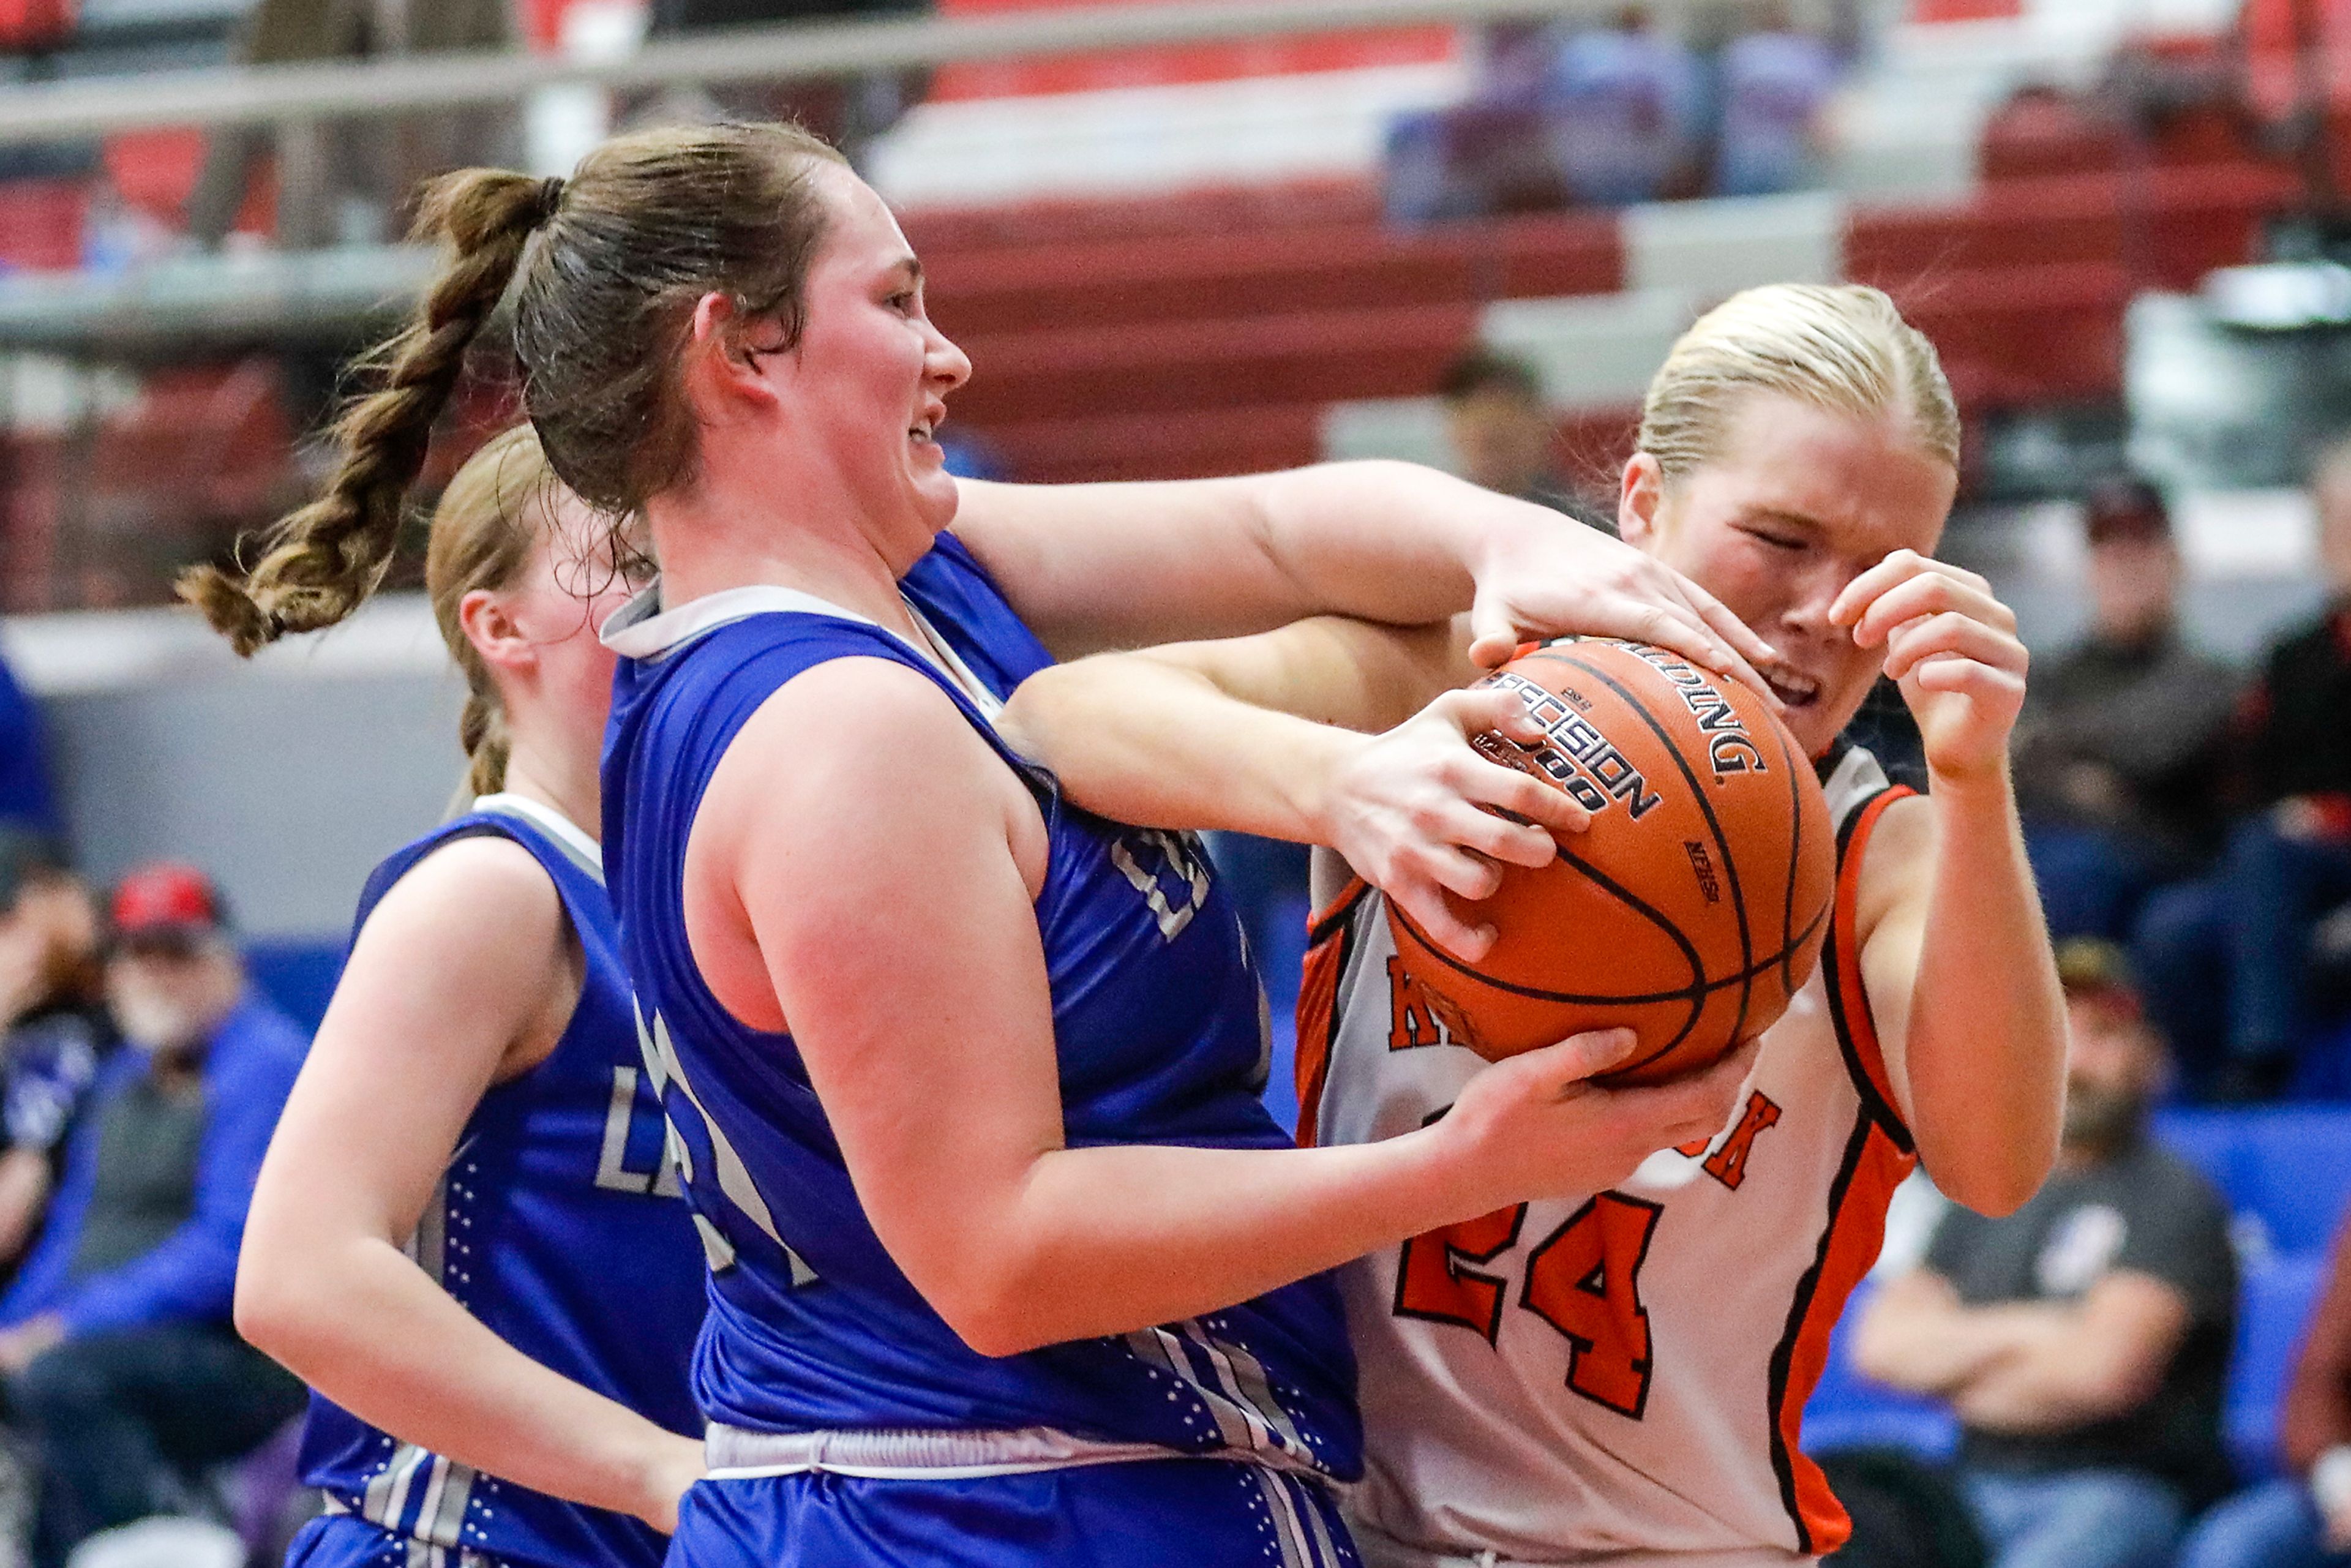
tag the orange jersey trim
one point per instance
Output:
(1856, 1026)
(1874, 1166)
(1330, 942)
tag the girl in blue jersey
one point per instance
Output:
(465, 1237)
(1010, 1265)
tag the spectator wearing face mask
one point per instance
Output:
(57, 1030)
(120, 1364)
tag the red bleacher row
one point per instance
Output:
(1207, 332)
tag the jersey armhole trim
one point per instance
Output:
(1330, 950)
(1849, 1010)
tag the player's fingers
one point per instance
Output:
(1544, 804)
(1466, 876)
(1482, 708)
(1858, 595)
(1498, 838)
(1493, 635)
(1951, 632)
(1425, 907)
(1937, 674)
(1750, 644)
(1580, 1056)
(1928, 593)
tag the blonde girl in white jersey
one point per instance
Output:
(1620, 1375)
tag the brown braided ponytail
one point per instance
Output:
(324, 559)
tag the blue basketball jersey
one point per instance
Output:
(1158, 1024)
(559, 1225)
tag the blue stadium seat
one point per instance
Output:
(2287, 1165)
(2274, 1306)
(1848, 1410)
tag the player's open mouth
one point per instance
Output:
(1791, 687)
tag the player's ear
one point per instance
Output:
(490, 626)
(1639, 494)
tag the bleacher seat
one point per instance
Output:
(1848, 1410)
(2287, 1166)
(2273, 1304)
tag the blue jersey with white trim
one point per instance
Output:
(1158, 1026)
(559, 1225)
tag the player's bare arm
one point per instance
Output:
(1092, 567)
(879, 903)
(463, 976)
(1955, 955)
(1274, 735)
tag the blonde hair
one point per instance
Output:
(490, 517)
(1845, 347)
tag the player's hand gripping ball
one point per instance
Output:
(1693, 909)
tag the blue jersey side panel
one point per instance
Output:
(1157, 1025)
(559, 1226)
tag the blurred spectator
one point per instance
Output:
(1503, 435)
(2119, 756)
(2301, 1519)
(1772, 83)
(53, 1005)
(120, 1365)
(2234, 954)
(1490, 155)
(1625, 110)
(849, 112)
(348, 180)
(2083, 1340)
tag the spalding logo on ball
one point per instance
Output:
(1693, 908)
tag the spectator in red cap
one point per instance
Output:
(120, 1361)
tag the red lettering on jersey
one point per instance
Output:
(1412, 1022)
(1692, 1149)
(1729, 1165)
(1584, 1281)
(1433, 1284)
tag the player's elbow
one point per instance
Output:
(995, 1323)
(271, 1309)
(1996, 1176)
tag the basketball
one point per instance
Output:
(1695, 906)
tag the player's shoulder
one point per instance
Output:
(473, 893)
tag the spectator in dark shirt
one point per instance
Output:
(2234, 955)
(53, 1002)
(2303, 1518)
(120, 1365)
(2118, 757)
(2083, 1340)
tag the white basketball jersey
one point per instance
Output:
(1621, 1373)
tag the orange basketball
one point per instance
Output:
(1693, 908)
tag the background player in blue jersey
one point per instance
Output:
(465, 1237)
(965, 1081)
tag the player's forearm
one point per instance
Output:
(360, 1322)
(1108, 1240)
(1985, 1050)
(1383, 541)
(1145, 742)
